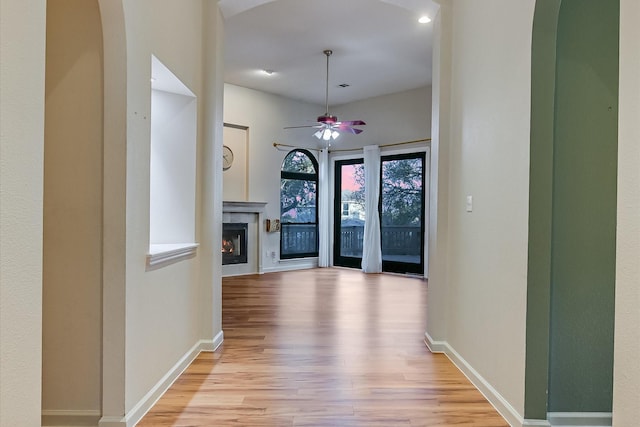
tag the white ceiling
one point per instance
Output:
(378, 47)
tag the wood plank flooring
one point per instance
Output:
(324, 347)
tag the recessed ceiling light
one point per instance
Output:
(267, 72)
(424, 19)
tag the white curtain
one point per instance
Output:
(371, 252)
(323, 209)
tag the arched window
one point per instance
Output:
(298, 205)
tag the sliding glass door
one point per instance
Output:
(401, 212)
(348, 213)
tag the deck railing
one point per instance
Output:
(299, 239)
(396, 239)
(400, 240)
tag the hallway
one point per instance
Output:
(323, 347)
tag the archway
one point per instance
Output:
(573, 173)
(84, 232)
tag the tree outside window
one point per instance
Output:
(298, 205)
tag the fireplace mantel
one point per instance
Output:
(236, 211)
(243, 207)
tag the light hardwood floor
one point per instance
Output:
(323, 347)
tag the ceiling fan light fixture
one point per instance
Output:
(328, 126)
(327, 134)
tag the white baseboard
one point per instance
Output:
(61, 418)
(435, 346)
(580, 419)
(241, 274)
(142, 407)
(501, 405)
(291, 265)
(536, 423)
(112, 422)
(216, 342)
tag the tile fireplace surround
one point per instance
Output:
(252, 214)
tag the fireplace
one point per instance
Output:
(234, 243)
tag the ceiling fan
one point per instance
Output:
(328, 126)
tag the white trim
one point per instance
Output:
(161, 255)
(554, 419)
(142, 407)
(156, 392)
(500, 404)
(580, 419)
(243, 207)
(112, 422)
(536, 423)
(292, 264)
(68, 418)
(242, 274)
(434, 346)
(212, 345)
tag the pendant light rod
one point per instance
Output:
(328, 53)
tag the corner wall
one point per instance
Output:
(72, 259)
(484, 295)
(265, 115)
(543, 88)
(22, 71)
(166, 318)
(626, 385)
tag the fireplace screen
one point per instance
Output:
(234, 243)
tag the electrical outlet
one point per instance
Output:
(273, 254)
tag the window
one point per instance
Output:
(298, 205)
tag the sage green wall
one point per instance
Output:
(543, 79)
(584, 207)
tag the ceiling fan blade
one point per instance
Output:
(352, 123)
(351, 130)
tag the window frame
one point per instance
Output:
(302, 176)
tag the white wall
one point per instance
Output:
(489, 160)
(22, 70)
(626, 387)
(397, 117)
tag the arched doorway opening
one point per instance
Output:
(571, 274)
